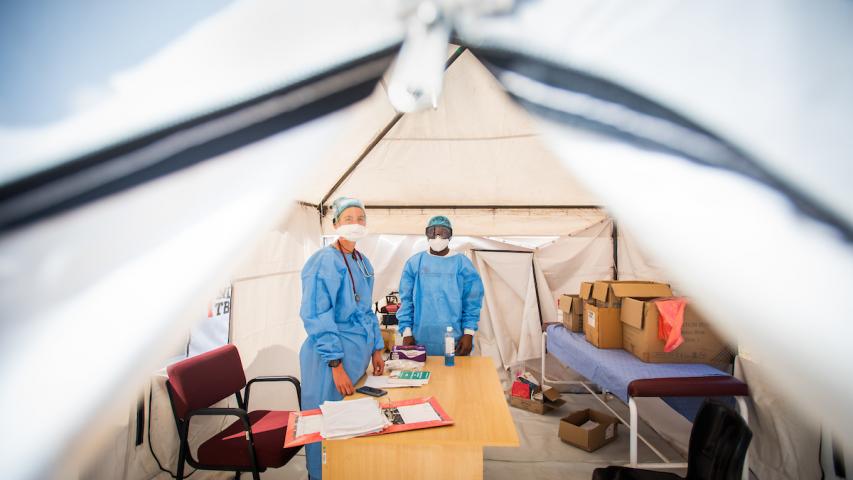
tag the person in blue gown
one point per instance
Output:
(439, 288)
(343, 332)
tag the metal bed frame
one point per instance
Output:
(633, 423)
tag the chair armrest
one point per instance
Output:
(282, 378)
(237, 412)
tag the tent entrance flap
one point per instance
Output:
(510, 322)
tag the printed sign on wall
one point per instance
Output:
(212, 331)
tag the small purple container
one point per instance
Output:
(416, 353)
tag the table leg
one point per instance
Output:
(361, 459)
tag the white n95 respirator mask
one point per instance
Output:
(352, 232)
(438, 244)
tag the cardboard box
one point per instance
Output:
(589, 439)
(536, 406)
(572, 322)
(640, 337)
(602, 326)
(611, 292)
(551, 394)
(570, 304)
(586, 291)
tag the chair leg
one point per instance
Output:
(237, 475)
(179, 474)
(256, 475)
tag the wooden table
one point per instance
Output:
(470, 393)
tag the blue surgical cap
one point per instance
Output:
(440, 221)
(343, 203)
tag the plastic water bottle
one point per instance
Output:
(449, 348)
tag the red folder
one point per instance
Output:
(291, 440)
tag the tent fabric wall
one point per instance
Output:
(785, 446)
(389, 253)
(267, 292)
(490, 158)
(510, 322)
(581, 256)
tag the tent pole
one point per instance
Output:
(532, 269)
(615, 236)
(536, 288)
(456, 54)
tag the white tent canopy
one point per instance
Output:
(714, 133)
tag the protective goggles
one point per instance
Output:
(438, 231)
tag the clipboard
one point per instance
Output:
(291, 440)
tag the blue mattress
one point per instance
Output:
(614, 369)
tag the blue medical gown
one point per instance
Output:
(436, 292)
(337, 327)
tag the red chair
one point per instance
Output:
(197, 383)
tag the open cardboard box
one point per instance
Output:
(550, 400)
(570, 303)
(589, 439)
(640, 336)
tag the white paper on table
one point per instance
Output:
(308, 424)
(422, 412)
(351, 418)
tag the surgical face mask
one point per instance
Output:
(438, 244)
(352, 232)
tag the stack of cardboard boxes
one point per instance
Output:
(602, 305)
(622, 314)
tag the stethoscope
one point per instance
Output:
(359, 262)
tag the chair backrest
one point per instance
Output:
(205, 379)
(718, 443)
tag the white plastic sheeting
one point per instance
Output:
(107, 289)
(266, 327)
(707, 61)
(785, 445)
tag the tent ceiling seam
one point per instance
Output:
(485, 207)
(456, 54)
(459, 139)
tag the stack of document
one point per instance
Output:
(398, 379)
(409, 378)
(351, 418)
